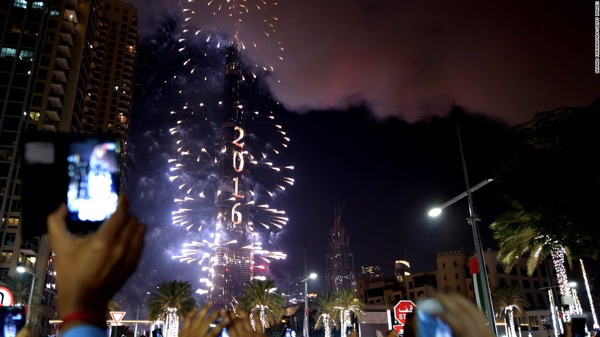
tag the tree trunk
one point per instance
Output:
(327, 327)
(558, 259)
(511, 319)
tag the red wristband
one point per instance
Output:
(83, 316)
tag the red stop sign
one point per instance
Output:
(400, 311)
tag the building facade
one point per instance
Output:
(339, 263)
(45, 66)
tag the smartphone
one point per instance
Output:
(578, 325)
(12, 319)
(93, 182)
(428, 324)
(79, 170)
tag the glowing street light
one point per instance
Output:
(311, 276)
(21, 270)
(434, 212)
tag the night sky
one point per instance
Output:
(370, 89)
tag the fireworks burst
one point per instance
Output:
(200, 149)
(240, 13)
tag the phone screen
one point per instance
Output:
(429, 325)
(13, 319)
(93, 180)
(578, 325)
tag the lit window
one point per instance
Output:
(8, 52)
(116, 88)
(54, 12)
(26, 55)
(34, 115)
(20, 3)
(6, 256)
(37, 5)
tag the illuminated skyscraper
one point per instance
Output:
(339, 269)
(231, 266)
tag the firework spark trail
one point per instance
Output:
(197, 149)
(235, 13)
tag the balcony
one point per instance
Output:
(64, 51)
(49, 127)
(69, 26)
(62, 63)
(66, 38)
(58, 89)
(71, 16)
(29, 248)
(55, 101)
(60, 76)
(53, 115)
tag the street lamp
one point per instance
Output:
(21, 269)
(312, 276)
(486, 302)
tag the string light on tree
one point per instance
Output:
(589, 294)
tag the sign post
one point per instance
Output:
(400, 311)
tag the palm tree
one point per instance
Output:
(262, 298)
(508, 300)
(172, 301)
(517, 236)
(326, 312)
(348, 305)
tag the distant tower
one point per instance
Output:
(401, 269)
(339, 268)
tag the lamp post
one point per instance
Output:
(21, 269)
(306, 309)
(486, 301)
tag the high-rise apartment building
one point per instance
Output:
(46, 68)
(339, 265)
(107, 105)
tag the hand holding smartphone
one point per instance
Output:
(79, 170)
(429, 324)
(12, 320)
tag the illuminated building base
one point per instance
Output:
(231, 271)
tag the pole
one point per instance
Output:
(473, 220)
(137, 314)
(306, 309)
(30, 297)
